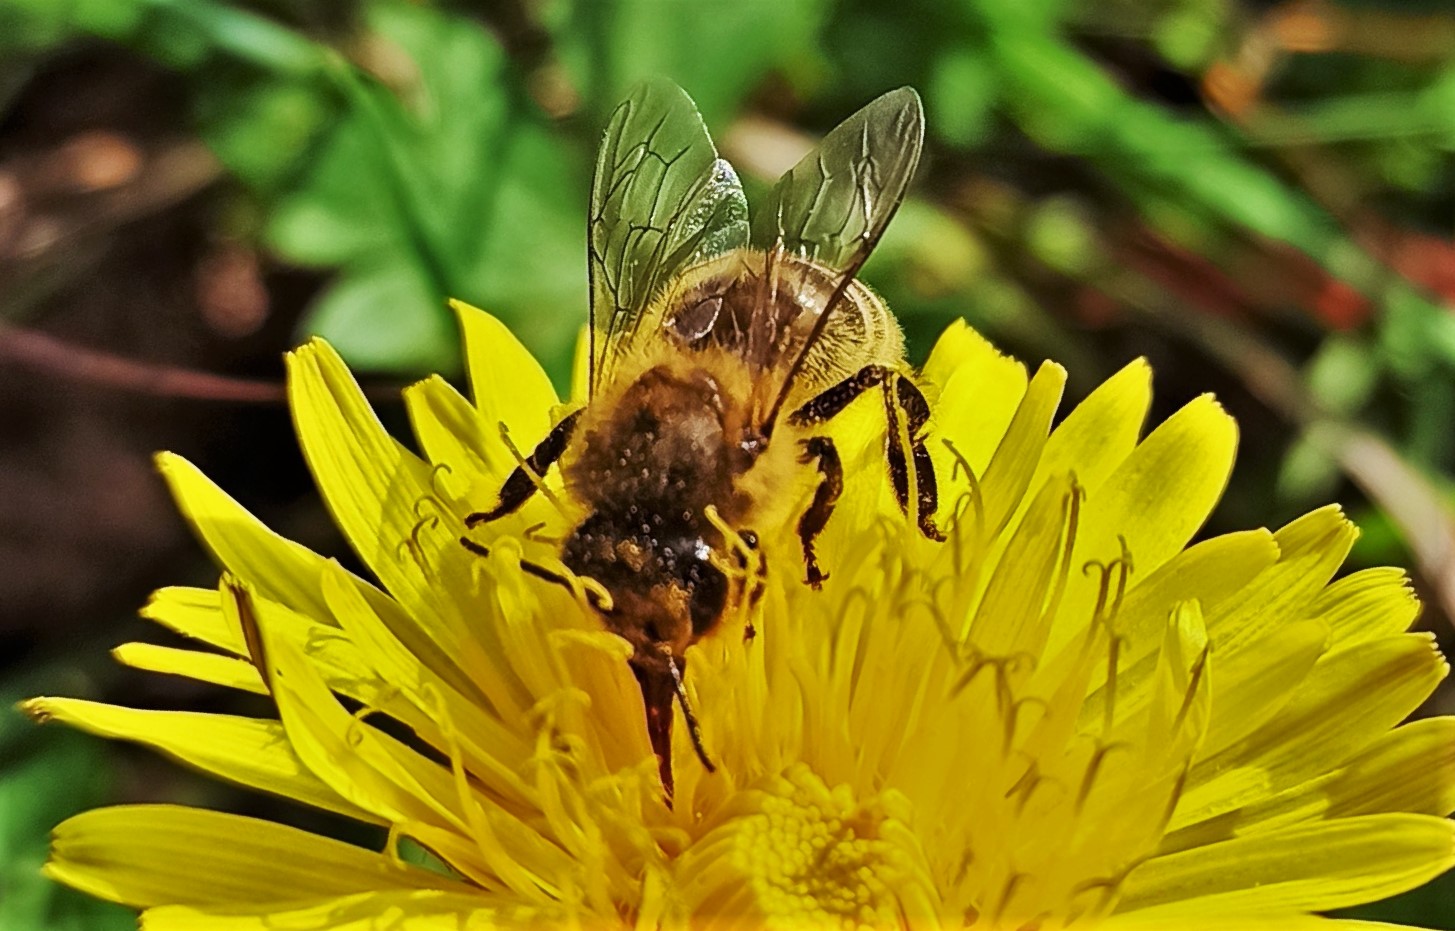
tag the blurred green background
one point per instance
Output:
(1259, 197)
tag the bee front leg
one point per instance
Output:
(819, 449)
(522, 483)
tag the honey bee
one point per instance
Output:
(720, 345)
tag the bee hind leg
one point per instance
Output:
(830, 402)
(819, 449)
(900, 394)
(905, 396)
(524, 481)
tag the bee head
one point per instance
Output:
(665, 588)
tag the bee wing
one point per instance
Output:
(661, 200)
(833, 206)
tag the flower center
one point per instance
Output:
(793, 854)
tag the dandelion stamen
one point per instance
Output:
(973, 497)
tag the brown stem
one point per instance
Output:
(48, 354)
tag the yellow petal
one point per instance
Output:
(276, 567)
(198, 613)
(1103, 429)
(349, 755)
(382, 497)
(1311, 549)
(195, 613)
(961, 348)
(1343, 705)
(978, 393)
(1314, 867)
(474, 729)
(453, 437)
(1254, 685)
(581, 369)
(382, 775)
(1367, 605)
(228, 671)
(1412, 768)
(145, 855)
(507, 383)
(248, 751)
(1015, 614)
(1161, 920)
(1011, 469)
(407, 911)
(1154, 502)
(1205, 573)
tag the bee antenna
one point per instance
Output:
(694, 731)
(841, 287)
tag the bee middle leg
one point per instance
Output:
(819, 449)
(522, 482)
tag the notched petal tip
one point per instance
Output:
(37, 709)
(507, 383)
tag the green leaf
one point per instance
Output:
(1343, 374)
(717, 51)
(962, 92)
(262, 131)
(448, 183)
(383, 315)
(109, 19)
(1308, 472)
(343, 206)
(48, 775)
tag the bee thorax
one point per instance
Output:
(665, 446)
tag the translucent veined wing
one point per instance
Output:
(833, 206)
(661, 200)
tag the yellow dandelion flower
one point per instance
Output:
(1059, 715)
(1065, 715)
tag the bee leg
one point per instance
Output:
(917, 413)
(819, 449)
(899, 394)
(755, 577)
(828, 403)
(522, 483)
(543, 573)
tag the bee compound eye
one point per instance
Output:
(697, 320)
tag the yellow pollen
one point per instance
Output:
(810, 857)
